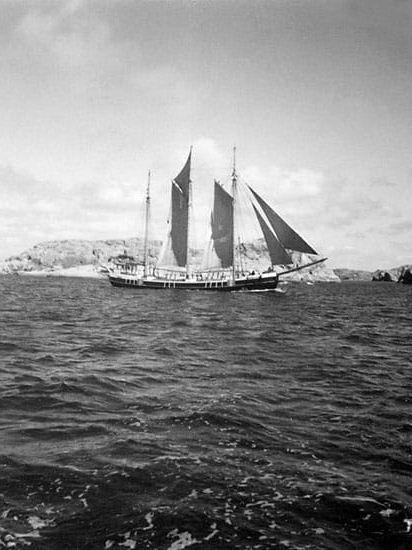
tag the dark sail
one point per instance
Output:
(222, 226)
(286, 235)
(277, 253)
(180, 214)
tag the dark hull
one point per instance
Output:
(263, 283)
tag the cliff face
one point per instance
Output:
(53, 256)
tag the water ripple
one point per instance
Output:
(166, 420)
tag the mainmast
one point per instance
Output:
(234, 195)
(146, 229)
(189, 215)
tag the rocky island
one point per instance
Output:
(84, 258)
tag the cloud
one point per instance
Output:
(401, 227)
(35, 210)
(48, 209)
(286, 185)
(76, 42)
(355, 225)
(71, 40)
(362, 215)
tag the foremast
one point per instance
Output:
(146, 229)
(234, 198)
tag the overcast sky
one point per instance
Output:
(315, 94)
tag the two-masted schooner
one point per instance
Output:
(225, 271)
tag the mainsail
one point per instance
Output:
(175, 252)
(278, 255)
(222, 226)
(287, 236)
(219, 252)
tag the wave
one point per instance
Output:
(165, 420)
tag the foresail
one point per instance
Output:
(175, 251)
(286, 235)
(278, 255)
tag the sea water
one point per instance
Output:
(174, 419)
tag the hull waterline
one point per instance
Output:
(262, 283)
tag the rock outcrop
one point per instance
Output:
(63, 257)
(383, 276)
(394, 275)
(406, 276)
(57, 257)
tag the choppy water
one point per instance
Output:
(167, 420)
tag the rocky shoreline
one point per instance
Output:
(83, 258)
(82, 271)
(401, 274)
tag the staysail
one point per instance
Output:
(287, 236)
(278, 255)
(176, 249)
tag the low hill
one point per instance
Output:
(71, 253)
(61, 256)
(353, 274)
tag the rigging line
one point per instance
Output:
(241, 227)
(207, 233)
(242, 212)
(166, 241)
(234, 215)
(247, 223)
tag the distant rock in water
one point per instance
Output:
(406, 276)
(401, 274)
(383, 276)
(55, 256)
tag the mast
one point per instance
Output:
(146, 229)
(189, 216)
(234, 195)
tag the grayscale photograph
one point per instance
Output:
(205, 274)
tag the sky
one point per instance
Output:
(316, 96)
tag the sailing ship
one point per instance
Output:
(225, 270)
